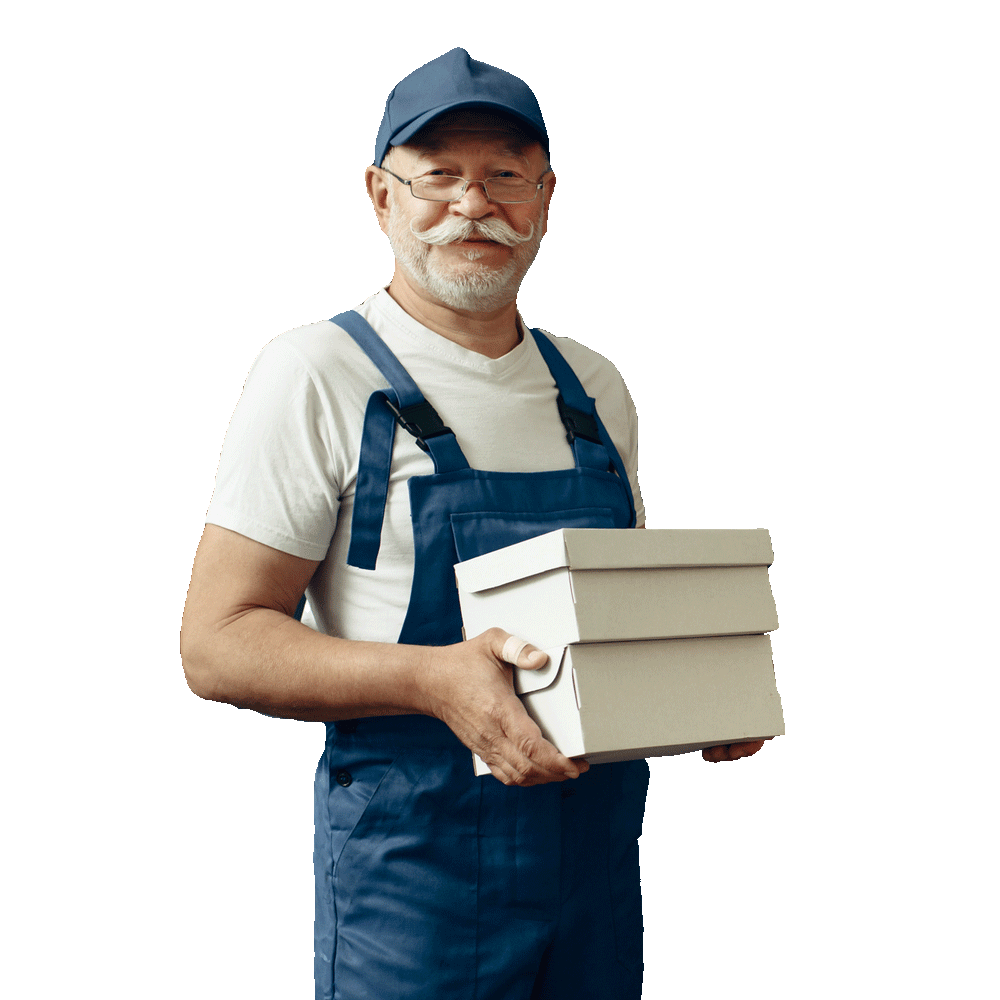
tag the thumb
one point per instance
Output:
(522, 654)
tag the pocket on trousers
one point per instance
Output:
(354, 782)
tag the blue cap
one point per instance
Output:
(454, 80)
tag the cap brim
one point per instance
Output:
(406, 133)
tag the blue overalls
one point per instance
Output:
(432, 883)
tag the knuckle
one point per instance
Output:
(513, 772)
(485, 746)
(531, 744)
(522, 777)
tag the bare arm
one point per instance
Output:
(241, 645)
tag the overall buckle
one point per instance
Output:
(578, 423)
(421, 420)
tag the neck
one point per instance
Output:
(493, 333)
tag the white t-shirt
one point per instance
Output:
(289, 465)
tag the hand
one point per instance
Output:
(733, 751)
(471, 689)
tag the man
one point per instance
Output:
(431, 883)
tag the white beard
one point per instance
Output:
(466, 287)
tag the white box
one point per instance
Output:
(601, 584)
(655, 638)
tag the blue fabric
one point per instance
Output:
(533, 503)
(431, 883)
(439, 885)
(454, 80)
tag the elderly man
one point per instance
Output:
(431, 882)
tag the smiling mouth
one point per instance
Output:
(474, 250)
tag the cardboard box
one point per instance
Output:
(655, 638)
(602, 584)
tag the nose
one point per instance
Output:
(473, 204)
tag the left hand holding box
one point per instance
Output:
(732, 751)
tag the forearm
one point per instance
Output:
(264, 660)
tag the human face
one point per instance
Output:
(479, 251)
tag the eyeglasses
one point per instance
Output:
(444, 187)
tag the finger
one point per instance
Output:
(521, 653)
(512, 649)
(524, 755)
(535, 760)
(738, 750)
(514, 768)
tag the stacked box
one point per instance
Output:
(656, 639)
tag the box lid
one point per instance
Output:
(526, 681)
(616, 548)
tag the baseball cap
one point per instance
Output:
(454, 80)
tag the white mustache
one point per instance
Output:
(455, 230)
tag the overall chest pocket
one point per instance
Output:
(479, 532)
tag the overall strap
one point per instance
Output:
(400, 402)
(586, 433)
(404, 389)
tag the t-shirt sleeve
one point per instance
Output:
(630, 457)
(277, 480)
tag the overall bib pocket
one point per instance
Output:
(479, 532)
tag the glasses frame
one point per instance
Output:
(466, 181)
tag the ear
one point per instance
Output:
(550, 186)
(377, 184)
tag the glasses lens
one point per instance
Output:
(441, 187)
(437, 187)
(511, 190)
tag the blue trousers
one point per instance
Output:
(433, 884)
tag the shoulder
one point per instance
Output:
(598, 375)
(319, 360)
(316, 348)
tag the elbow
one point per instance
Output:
(201, 677)
(198, 679)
